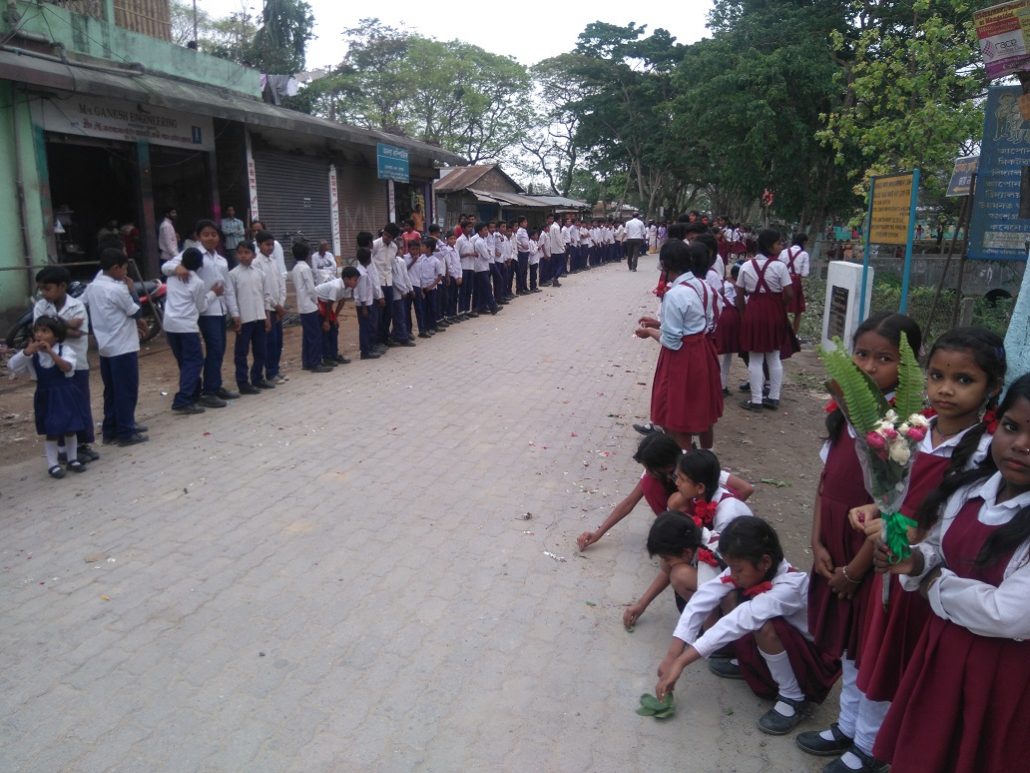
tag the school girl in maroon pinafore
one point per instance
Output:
(964, 702)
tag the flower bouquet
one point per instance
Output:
(887, 434)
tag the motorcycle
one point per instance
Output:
(151, 295)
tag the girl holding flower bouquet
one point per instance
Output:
(965, 372)
(963, 704)
(839, 591)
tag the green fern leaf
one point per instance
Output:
(861, 399)
(908, 398)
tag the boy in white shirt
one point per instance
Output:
(303, 277)
(267, 262)
(52, 283)
(116, 326)
(523, 248)
(185, 300)
(454, 279)
(252, 293)
(402, 294)
(365, 305)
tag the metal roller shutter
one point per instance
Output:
(293, 193)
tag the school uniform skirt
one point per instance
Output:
(816, 671)
(764, 325)
(796, 304)
(687, 392)
(837, 624)
(58, 403)
(727, 331)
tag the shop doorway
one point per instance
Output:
(406, 197)
(181, 179)
(91, 185)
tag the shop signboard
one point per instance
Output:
(392, 163)
(892, 196)
(1000, 225)
(961, 183)
(1002, 32)
(88, 116)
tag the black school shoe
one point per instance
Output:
(248, 389)
(869, 764)
(775, 723)
(87, 454)
(812, 742)
(133, 439)
(725, 668)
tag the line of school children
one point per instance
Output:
(401, 282)
(937, 679)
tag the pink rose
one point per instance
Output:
(875, 441)
(916, 434)
(889, 433)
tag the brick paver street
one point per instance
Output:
(340, 574)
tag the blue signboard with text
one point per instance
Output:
(392, 163)
(1000, 225)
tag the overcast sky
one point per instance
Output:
(531, 32)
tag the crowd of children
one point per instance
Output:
(937, 678)
(404, 285)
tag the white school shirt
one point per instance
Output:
(683, 310)
(21, 363)
(482, 261)
(111, 310)
(252, 292)
(985, 610)
(466, 252)
(537, 251)
(363, 295)
(401, 283)
(213, 270)
(522, 241)
(776, 276)
(382, 257)
(323, 266)
(800, 260)
(454, 267)
(788, 598)
(184, 302)
(377, 285)
(729, 292)
(266, 263)
(333, 291)
(280, 263)
(440, 256)
(715, 283)
(634, 228)
(166, 243)
(503, 248)
(73, 308)
(556, 242)
(303, 278)
(620, 233)
(414, 270)
(427, 271)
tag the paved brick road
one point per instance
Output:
(337, 575)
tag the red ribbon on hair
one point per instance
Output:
(831, 406)
(706, 556)
(990, 421)
(704, 512)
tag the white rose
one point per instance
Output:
(891, 416)
(900, 453)
(918, 420)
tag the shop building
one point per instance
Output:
(103, 119)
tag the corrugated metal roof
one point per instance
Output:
(192, 97)
(462, 178)
(562, 201)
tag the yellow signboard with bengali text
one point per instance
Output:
(892, 202)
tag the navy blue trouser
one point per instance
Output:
(311, 339)
(429, 315)
(274, 345)
(383, 314)
(330, 339)
(400, 330)
(468, 283)
(187, 352)
(81, 380)
(497, 275)
(521, 269)
(251, 337)
(121, 393)
(558, 266)
(212, 330)
(367, 318)
(484, 295)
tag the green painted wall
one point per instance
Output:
(18, 160)
(97, 38)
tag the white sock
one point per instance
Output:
(50, 450)
(756, 378)
(870, 717)
(71, 447)
(851, 761)
(772, 359)
(849, 697)
(786, 681)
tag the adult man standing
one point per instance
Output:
(554, 236)
(167, 240)
(232, 230)
(635, 234)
